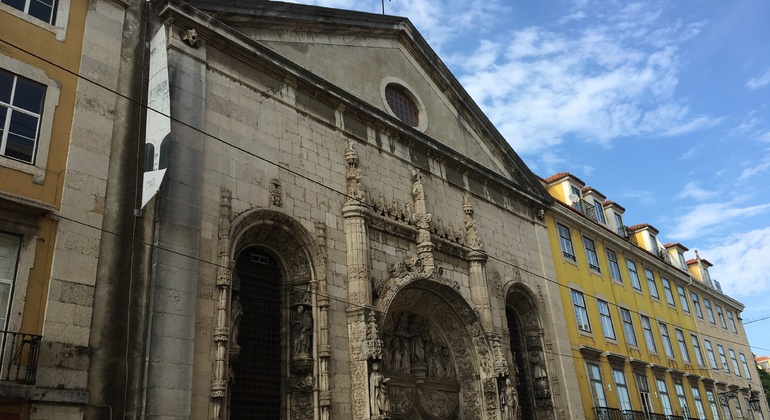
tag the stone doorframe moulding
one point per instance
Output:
(302, 259)
(469, 345)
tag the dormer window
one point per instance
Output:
(682, 261)
(619, 224)
(577, 198)
(599, 212)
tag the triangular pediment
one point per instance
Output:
(361, 53)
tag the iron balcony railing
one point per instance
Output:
(607, 413)
(18, 357)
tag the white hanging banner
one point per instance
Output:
(158, 140)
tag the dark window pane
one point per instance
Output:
(149, 157)
(29, 95)
(19, 148)
(23, 124)
(6, 84)
(3, 115)
(42, 10)
(16, 4)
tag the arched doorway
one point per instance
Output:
(435, 354)
(524, 327)
(256, 363)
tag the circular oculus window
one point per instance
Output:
(403, 104)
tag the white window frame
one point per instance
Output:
(621, 386)
(736, 368)
(8, 280)
(745, 366)
(682, 345)
(668, 291)
(628, 327)
(597, 385)
(709, 311)
(696, 304)
(710, 354)
(38, 169)
(566, 242)
(612, 262)
(651, 283)
(696, 349)
(633, 274)
(599, 212)
(723, 358)
(58, 28)
(581, 311)
(649, 336)
(712, 404)
(664, 399)
(698, 402)
(668, 346)
(721, 316)
(591, 256)
(683, 298)
(732, 322)
(606, 319)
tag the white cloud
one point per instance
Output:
(759, 82)
(704, 217)
(756, 169)
(692, 190)
(740, 263)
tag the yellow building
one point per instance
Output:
(40, 54)
(652, 336)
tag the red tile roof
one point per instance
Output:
(562, 175)
(607, 203)
(676, 244)
(593, 190)
(643, 226)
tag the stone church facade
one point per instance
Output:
(341, 233)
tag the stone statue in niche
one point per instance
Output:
(509, 400)
(302, 330)
(236, 312)
(410, 347)
(378, 392)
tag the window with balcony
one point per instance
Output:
(593, 259)
(9, 256)
(664, 400)
(622, 388)
(565, 240)
(633, 275)
(667, 346)
(612, 261)
(696, 350)
(597, 388)
(721, 317)
(710, 354)
(732, 322)
(577, 203)
(628, 326)
(604, 314)
(581, 314)
(651, 283)
(723, 358)
(709, 312)
(696, 304)
(667, 291)
(648, 335)
(682, 345)
(683, 298)
(682, 399)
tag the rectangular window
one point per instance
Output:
(723, 358)
(565, 239)
(721, 317)
(622, 387)
(9, 256)
(682, 345)
(667, 346)
(644, 393)
(612, 261)
(696, 350)
(682, 399)
(593, 259)
(664, 400)
(712, 404)
(736, 369)
(738, 409)
(628, 326)
(633, 275)
(745, 366)
(698, 403)
(44, 10)
(21, 109)
(651, 283)
(710, 354)
(683, 298)
(696, 304)
(597, 388)
(604, 313)
(709, 312)
(682, 261)
(621, 227)
(648, 336)
(667, 291)
(732, 322)
(581, 314)
(599, 212)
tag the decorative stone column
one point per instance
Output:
(422, 220)
(356, 215)
(225, 268)
(324, 348)
(478, 270)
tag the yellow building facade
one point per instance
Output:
(40, 54)
(652, 336)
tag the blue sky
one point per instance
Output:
(660, 105)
